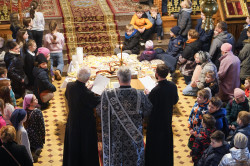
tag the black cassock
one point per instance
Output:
(159, 142)
(80, 144)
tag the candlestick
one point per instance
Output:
(121, 62)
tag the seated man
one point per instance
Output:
(122, 110)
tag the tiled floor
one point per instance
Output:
(55, 119)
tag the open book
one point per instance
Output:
(100, 84)
(148, 82)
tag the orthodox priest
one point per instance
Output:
(80, 144)
(122, 110)
(159, 140)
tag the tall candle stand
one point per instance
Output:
(121, 60)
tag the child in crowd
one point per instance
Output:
(2, 51)
(243, 122)
(244, 57)
(46, 52)
(175, 46)
(243, 35)
(142, 24)
(234, 106)
(15, 24)
(131, 44)
(22, 37)
(54, 41)
(149, 54)
(247, 89)
(202, 141)
(18, 117)
(216, 150)
(155, 18)
(8, 107)
(14, 64)
(186, 60)
(214, 109)
(184, 18)
(2, 121)
(211, 82)
(38, 23)
(27, 23)
(42, 84)
(197, 112)
(239, 154)
(34, 125)
(29, 60)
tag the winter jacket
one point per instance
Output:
(244, 57)
(175, 46)
(219, 115)
(157, 21)
(236, 157)
(2, 121)
(148, 55)
(57, 45)
(184, 20)
(233, 109)
(186, 60)
(207, 66)
(204, 37)
(28, 66)
(142, 22)
(7, 58)
(212, 156)
(14, 31)
(42, 82)
(243, 36)
(169, 61)
(132, 42)
(201, 143)
(244, 130)
(229, 70)
(215, 51)
(214, 86)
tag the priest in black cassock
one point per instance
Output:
(159, 140)
(80, 144)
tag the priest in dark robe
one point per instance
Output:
(159, 140)
(80, 144)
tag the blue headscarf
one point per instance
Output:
(17, 116)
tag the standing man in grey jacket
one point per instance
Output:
(221, 36)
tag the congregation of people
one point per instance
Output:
(214, 66)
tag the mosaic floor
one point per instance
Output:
(55, 119)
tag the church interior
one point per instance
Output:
(97, 26)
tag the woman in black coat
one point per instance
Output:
(19, 152)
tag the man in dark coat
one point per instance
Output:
(159, 142)
(80, 144)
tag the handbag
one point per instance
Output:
(46, 96)
(11, 155)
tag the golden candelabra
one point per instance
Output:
(4, 13)
(209, 8)
(174, 6)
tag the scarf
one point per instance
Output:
(128, 37)
(17, 116)
(27, 100)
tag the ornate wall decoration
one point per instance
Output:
(236, 8)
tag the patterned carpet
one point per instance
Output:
(89, 24)
(55, 119)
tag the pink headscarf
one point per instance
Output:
(27, 100)
(43, 50)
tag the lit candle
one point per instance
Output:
(121, 51)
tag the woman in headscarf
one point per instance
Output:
(34, 125)
(18, 117)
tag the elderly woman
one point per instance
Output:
(11, 153)
(198, 78)
(80, 143)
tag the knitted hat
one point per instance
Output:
(175, 30)
(41, 59)
(27, 100)
(149, 44)
(240, 141)
(226, 47)
(17, 116)
(43, 50)
(238, 93)
(203, 56)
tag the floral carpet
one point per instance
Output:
(55, 119)
(89, 24)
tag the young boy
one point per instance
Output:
(197, 112)
(131, 44)
(211, 82)
(217, 149)
(202, 140)
(155, 18)
(184, 18)
(142, 24)
(175, 45)
(42, 82)
(214, 109)
(243, 35)
(247, 89)
(236, 105)
(243, 121)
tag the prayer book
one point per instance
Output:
(100, 84)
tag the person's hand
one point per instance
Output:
(191, 132)
(216, 33)
(140, 30)
(172, 15)
(89, 86)
(233, 127)
(154, 15)
(22, 81)
(146, 91)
